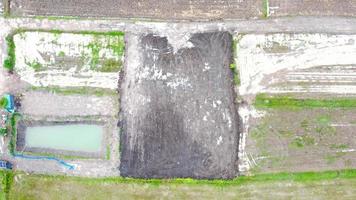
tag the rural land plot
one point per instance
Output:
(178, 114)
(299, 90)
(68, 79)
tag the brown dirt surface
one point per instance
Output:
(157, 9)
(312, 7)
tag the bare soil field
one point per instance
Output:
(169, 9)
(312, 7)
(178, 111)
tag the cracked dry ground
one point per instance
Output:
(178, 112)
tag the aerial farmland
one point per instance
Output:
(199, 99)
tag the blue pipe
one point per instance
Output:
(69, 166)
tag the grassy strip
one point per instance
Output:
(265, 101)
(62, 157)
(57, 31)
(108, 152)
(265, 8)
(77, 90)
(9, 62)
(7, 178)
(13, 124)
(233, 66)
(298, 177)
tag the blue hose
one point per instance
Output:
(71, 167)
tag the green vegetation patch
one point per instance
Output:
(233, 65)
(9, 62)
(301, 141)
(13, 123)
(265, 101)
(115, 43)
(62, 187)
(3, 102)
(34, 65)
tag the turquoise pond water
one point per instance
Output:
(78, 137)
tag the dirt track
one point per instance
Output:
(178, 112)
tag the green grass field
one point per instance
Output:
(309, 185)
(265, 101)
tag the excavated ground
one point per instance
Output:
(178, 115)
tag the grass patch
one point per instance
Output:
(115, 44)
(35, 65)
(6, 181)
(95, 50)
(339, 146)
(65, 187)
(78, 91)
(265, 101)
(301, 141)
(61, 54)
(111, 65)
(108, 152)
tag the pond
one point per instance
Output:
(75, 137)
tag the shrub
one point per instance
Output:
(3, 102)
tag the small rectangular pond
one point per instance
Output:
(71, 137)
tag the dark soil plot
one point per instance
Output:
(178, 113)
(312, 7)
(168, 9)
